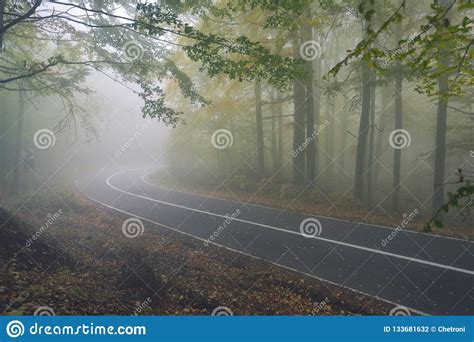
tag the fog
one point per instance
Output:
(236, 157)
(104, 126)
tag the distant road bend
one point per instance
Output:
(426, 273)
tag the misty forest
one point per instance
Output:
(236, 157)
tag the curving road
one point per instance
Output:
(426, 273)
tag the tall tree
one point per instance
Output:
(3, 150)
(19, 140)
(280, 142)
(309, 84)
(442, 118)
(317, 111)
(371, 153)
(397, 152)
(299, 98)
(362, 137)
(2, 10)
(3, 159)
(260, 158)
(274, 134)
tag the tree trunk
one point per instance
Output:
(317, 112)
(3, 151)
(310, 148)
(440, 148)
(330, 110)
(363, 127)
(397, 154)
(370, 156)
(260, 165)
(381, 137)
(2, 10)
(343, 132)
(279, 113)
(363, 134)
(441, 125)
(274, 132)
(3, 159)
(19, 141)
(299, 124)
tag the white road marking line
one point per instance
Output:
(303, 213)
(447, 267)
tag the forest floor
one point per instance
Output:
(287, 197)
(80, 263)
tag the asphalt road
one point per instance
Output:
(426, 273)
